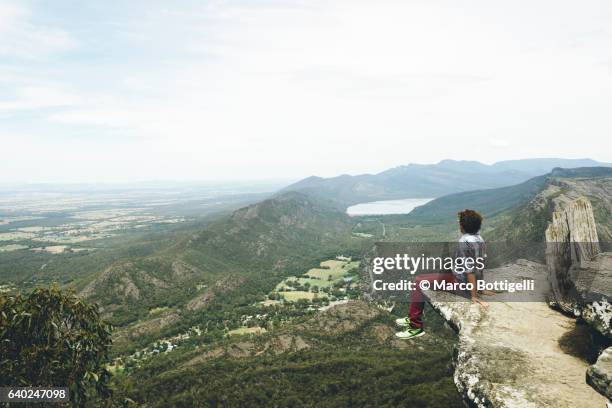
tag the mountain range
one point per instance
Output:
(258, 242)
(431, 180)
(495, 200)
(214, 277)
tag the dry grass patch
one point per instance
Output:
(294, 296)
(12, 247)
(241, 331)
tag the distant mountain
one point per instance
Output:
(543, 166)
(430, 180)
(524, 209)
(274, 233)
(528, 222)
(239, 252)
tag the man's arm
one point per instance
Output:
(474, 292)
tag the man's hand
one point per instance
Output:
(480, 302)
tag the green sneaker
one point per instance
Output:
(410, 333)
(403, 322)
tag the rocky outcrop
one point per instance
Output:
(597, 314)
(224, 285)
(598, 191)
(283, 343)
(593, 282)
(341, 319)
(571, 240)
(518, 352)
(153, 325)
(580, 275)
(599, 375)
(509, 354)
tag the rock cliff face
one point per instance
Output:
(581, 279)
(597, 191)
(581, 276)
(571, 241)
(509, 354)
(599, 375)
(594, 290)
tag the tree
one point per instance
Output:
(53, 338)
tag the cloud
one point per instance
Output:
(230, 89)
(21, 38)
(38, 97)
(499, 143)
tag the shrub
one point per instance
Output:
(51, 338)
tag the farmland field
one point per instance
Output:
(293, 296)
(330, 273)
(63, 233)
(241, 331)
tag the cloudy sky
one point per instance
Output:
(178, 90)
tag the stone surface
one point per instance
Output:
(571, 239)
(593, 282)
(509, 354)
(598, 190)
(580, 275)
(599, 375)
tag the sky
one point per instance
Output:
(124, 91)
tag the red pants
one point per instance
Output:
(417, 301)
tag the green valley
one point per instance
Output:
(270, 296)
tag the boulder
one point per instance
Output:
(593, 283)
(599, 375)
(571, 240)
(579, 273)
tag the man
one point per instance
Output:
(471, 245)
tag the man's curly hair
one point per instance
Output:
(470, 221)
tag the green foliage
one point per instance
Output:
(488, 202)
(53, 338)
(306, 379)
(257, 246)
(28, 269)
(339, 370)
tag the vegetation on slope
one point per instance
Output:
(50, 338)
(519, 212)
(345, 356)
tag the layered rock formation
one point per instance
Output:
(509, 354)
(593, 283)
(581, 276)
(571, 241)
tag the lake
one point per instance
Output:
(387, 207)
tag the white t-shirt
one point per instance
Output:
(470, 246)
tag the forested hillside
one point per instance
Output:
(204, 299)
(345, 356)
